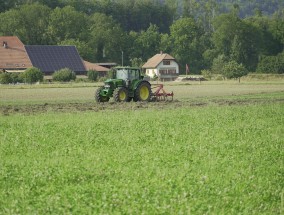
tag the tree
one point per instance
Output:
(237, 40)
(271, 64)
(277, 27)
(66, 23)
(189, 8)
(187, 47)
(146, 43)
(210, 11)
(218, 64)
(32, 75)
(7, 5)
(28, 22)
(208, 57)
(173, 6)
(107, 39)
(10, 22)
(33, 24)
(246, 46)
(268, 41)
(232, 69)
(137, 62)
(137, 15)
(87, 7)
(226, 26)
(203, 11)
(166, 44)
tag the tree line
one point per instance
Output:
(196, 33)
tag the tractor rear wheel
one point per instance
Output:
(143, 92)
(98, 96)
(120, 94)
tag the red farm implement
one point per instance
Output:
(159, 94)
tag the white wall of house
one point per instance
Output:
(151, 72)
(166, 69)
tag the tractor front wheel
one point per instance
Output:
(143, 92)
(120, 94)
(99, 97)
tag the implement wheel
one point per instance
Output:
(143, 92)
(120, 94)
(99, 97)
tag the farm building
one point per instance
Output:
(162, 65)
(13, 55)
(107, 65)
(52, 58)
(102, 71)
(16, 57)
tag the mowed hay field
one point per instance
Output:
(216, 149)
(82, 93)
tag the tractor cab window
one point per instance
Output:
(127, 73)
(133, 74)
(122, 74)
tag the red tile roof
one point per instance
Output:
(93, 66)
(13, 54)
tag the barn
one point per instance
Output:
(13, 55)
(17, 57)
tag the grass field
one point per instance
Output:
(185, 91)
(217, 149)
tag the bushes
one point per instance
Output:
(32, 75)
(17, 78)
(207, 74)
(64, 75)
(232, 69)
(5, 78)
(92, 75)
(218, 64)
(271, 64)
(227, 68)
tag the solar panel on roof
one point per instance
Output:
(53, 58)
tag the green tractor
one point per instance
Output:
(126, 84)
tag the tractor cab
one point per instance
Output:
(125, 73)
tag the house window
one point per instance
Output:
(166, 62)
(167, 71)
(171, 71)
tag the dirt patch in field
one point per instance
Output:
(113, 106)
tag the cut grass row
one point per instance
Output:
(214, 160)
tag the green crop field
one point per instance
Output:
(216, 149)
